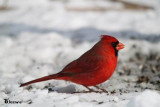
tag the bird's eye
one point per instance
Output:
(114, 44)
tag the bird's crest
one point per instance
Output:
(108, 37)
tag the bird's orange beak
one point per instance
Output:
(120, 46)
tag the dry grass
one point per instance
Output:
(133, 6)
(126, 6)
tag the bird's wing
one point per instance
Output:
(71, 67)
(88, 64)
(91, 63)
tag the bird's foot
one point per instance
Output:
(103, 90)
(88, 92)
(93, 91)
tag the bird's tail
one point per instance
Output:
(54, 76)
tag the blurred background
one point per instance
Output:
(39, 37)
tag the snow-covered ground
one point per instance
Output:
(39, 37)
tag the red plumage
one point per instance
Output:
(93, 67)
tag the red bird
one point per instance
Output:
(93, 67)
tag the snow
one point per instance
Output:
(39, 37)
(146, 99)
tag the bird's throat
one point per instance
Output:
(116, 52)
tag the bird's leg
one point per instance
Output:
(91, 90)
(103, 90)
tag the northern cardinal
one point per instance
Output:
(93, 67)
